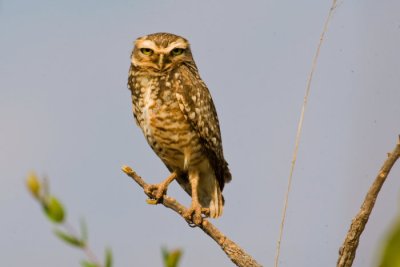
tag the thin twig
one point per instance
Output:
(347, 251)
(86, 248)
(299, 130)
(236, 254)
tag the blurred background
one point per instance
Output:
(65, 112)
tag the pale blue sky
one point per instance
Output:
(65, 111)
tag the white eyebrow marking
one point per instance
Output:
(150, 44)
(146, 44)
(176, 44)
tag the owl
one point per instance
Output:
(175, 111)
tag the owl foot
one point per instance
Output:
(155, 192)
(193, 214)
(205, 212)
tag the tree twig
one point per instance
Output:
(86, 248)
(235, 253)
(347, 251)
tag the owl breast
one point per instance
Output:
(163, 123)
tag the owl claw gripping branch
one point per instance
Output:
(174, 109)
(157, 191)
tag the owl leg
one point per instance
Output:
(157, 191)
(194, 212)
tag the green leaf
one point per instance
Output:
(109, 258)
(171, 258)
(165, 254)
(54, 209)
(70, 239)
(88, 264)
(84, 230)
(174, 258)
(391, 251)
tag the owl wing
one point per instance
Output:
(197, 105)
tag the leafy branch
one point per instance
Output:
(55, 212)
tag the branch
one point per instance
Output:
(236, 254)
(347, 251)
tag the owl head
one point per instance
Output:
(161, 52)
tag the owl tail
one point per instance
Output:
(210, 196)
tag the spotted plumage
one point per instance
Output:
(175, 111)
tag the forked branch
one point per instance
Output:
(347, 251)
(235, 253)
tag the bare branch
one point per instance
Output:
(236, 254)
(347, 251)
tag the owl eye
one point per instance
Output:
(147, 51)
(177, 51)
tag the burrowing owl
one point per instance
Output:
(176, 113)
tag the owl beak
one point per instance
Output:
(161, 61)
